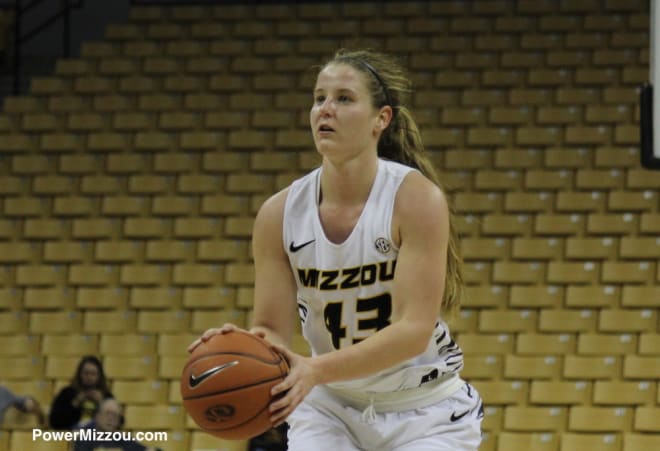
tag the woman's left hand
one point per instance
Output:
(301, 379)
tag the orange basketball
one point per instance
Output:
(226, 384)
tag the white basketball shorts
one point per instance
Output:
(322, 422)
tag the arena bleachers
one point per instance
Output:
(130, 178)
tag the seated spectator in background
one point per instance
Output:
(25, 404)
(108, 418)
(76, 402)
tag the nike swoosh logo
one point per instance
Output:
(294, 248)
(196, 380)
(455, 417)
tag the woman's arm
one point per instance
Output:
(422, 220)
(63, 413)
(274, 311)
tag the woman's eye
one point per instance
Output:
(344, 99)
(319, 99)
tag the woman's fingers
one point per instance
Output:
(208, 333)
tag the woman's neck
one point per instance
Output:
(349, 182)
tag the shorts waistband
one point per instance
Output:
(397, 401)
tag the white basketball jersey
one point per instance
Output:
(344, 290)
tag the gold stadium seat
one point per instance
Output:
(116, 251)
(155, 417)
(169, 251)
(55, 322)
(507, 321)
(640, 442)
(201, 441)
(22, 440)
(49, 298)
(504, 392)
(17, 345)
(486, 343)
(171, 366)
(622, 393)
(166, 321)
(113, 321)
(558, 320)
(592, 442)
(477, 366)
(112, 297)
(544, 344)
(485, 296)
(13, 322)
(649, 343)
(559, 224)
(493, 418)
(61, 366)
(645, 419)
(127, 344)
(204, 319)
(641, 367)
(25, 368)
(141, 392)
(537, 441)
(130, 367)
(175, 440)
(627, 320)
(532, 367)
(69, 345)
(155, 297)
(600, 419)
(592, 296)
(210, 297)
(535, 296)
(175, 344)
(606, 344)
(579, 367)
(535, 419)
(560, 392)
(39, 389)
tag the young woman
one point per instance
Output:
(76, 402)
(368, 258)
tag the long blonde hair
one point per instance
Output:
(401, 141)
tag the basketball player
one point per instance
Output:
(363, 248)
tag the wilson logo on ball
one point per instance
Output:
(220, 413)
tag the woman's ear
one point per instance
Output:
(384, 119)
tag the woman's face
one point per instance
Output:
(89, 375)
(343, 120)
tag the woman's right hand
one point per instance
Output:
(206, 336)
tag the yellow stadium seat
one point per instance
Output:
(201, 441)
(127, 344)
(154, 417)
(165, 321)
(130, 367)
(560, 392)
(503, 392)
(600, 419)
(510, 441)
(592, 442)
(537, 419)
(24, 368)
(640, 442)
(114, 321)
(141, 392)
(532, 367)
(622, 393)
(155, 297)
(22, 440)
(55, 322)
(587, 367)
(17, 345)
(71, 344)
(535, 296)
(545, 344)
